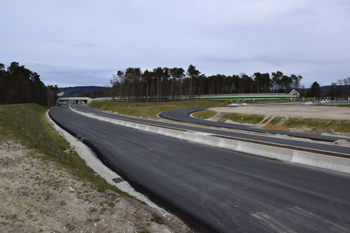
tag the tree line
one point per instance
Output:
(171, 84)
(21, 85)
(341, 88)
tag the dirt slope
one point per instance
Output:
(39, 195)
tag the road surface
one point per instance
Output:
(183, 115)
(218, 189)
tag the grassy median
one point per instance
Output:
(206, 114)
(150, 110)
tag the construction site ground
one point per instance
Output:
(39, 195)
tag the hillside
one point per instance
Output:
(47, 187)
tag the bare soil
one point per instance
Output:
(318, 131)
(293, 111)
(39, 195)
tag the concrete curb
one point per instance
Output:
(94, 163)
(288, 155)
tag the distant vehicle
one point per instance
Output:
(324, 101)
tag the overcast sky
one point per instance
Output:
(84, 42)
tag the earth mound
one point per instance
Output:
(341, 143)
(276, 127)
(319, 131)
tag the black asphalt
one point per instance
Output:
(224, 190)
(183, 115)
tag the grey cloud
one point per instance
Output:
(65, 42)
(70, 75)
(271, 60)
(85, 44)
(226, 36)
(56, 41)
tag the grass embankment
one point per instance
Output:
(236, 117)
(150, 110)
(206, 114)
(336, 125)
(310, 123)
(247, 118)
(27, 123)
(302, 123)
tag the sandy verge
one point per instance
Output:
(39, 195)
(297, 111)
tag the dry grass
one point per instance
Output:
(247, 118)
(206, 114)
(27, 122)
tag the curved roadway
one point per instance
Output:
(184, 115)
(223, 190)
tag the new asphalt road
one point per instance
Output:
(223, 190)
(183, 116)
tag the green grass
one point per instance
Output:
(247, 118)
(276, 120)
(150, 110)
(6, 134)
(27, 122)
(206, 114)
(271, 101)
(265, 121)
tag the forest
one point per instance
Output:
(21, 85)
(171, 84)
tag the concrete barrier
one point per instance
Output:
(131, 124)
(173, 133)
(283, 154)
(322, 161)
(152, 129)
(124, 123)
(265, 151)
(189, 136)
(118, 122)
(228, 144)
(141, 127)
(206, 140)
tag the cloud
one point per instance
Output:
(69, 38)
(62, 75)
(65, 42)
